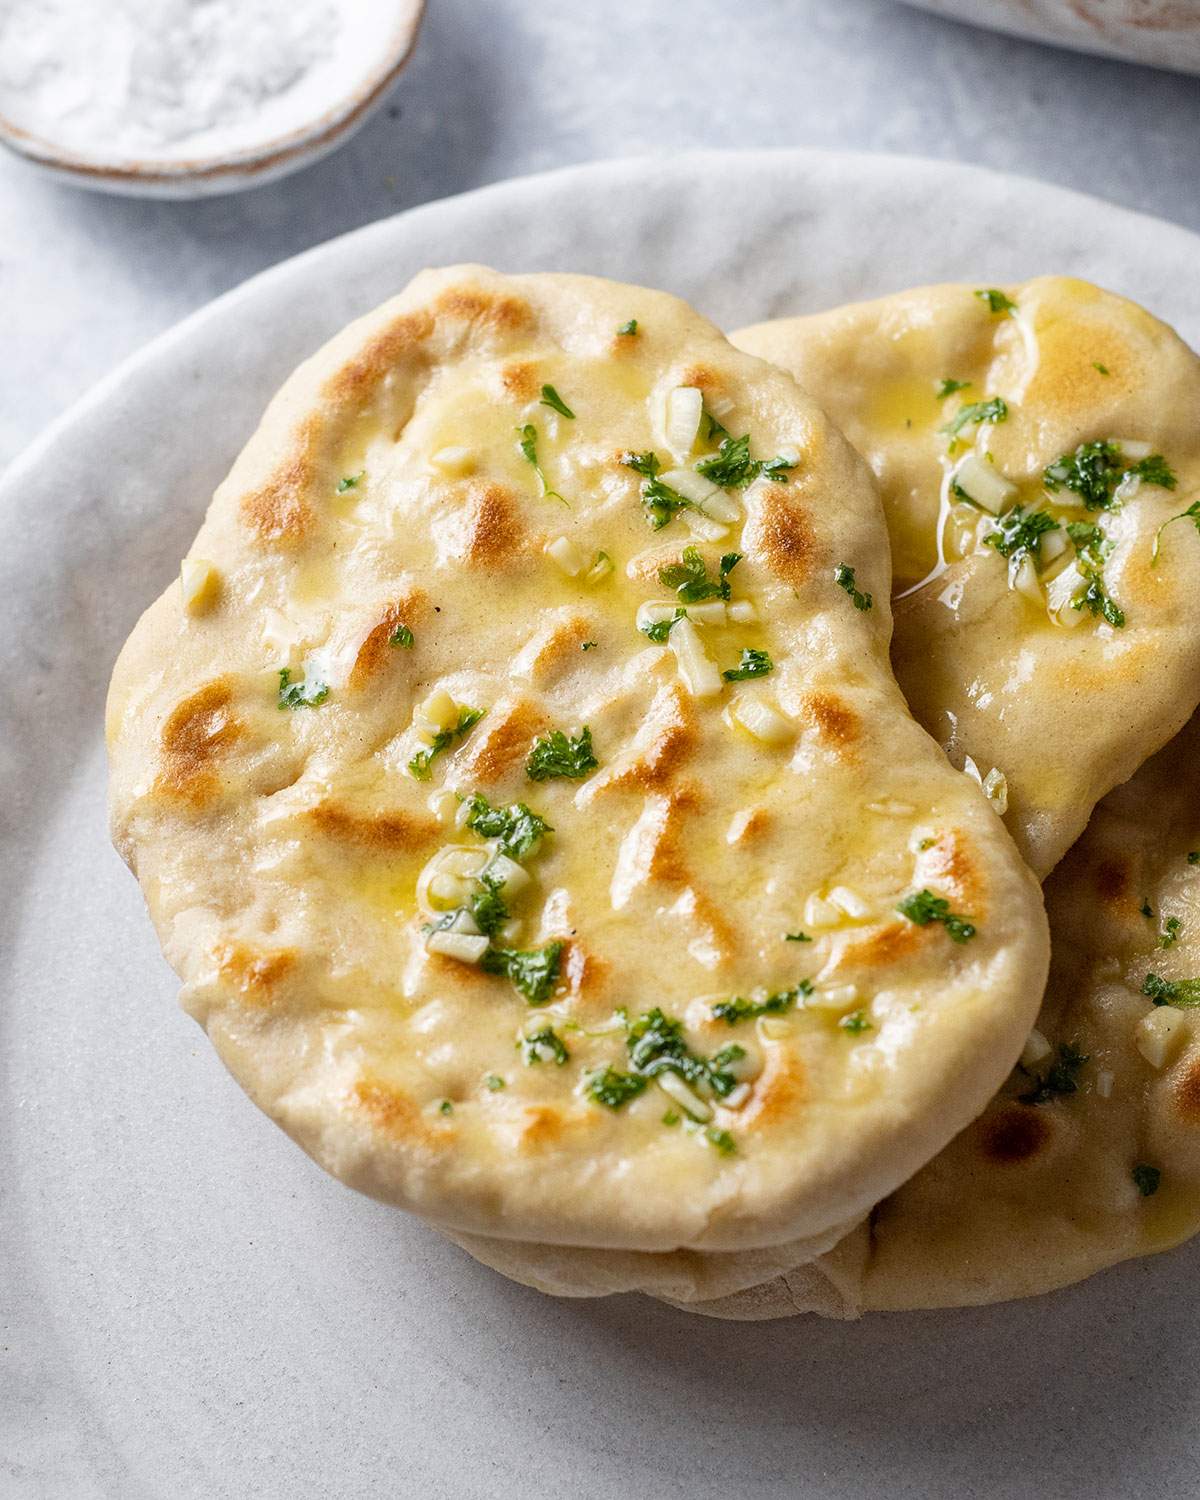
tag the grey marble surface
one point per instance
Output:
(504, 87)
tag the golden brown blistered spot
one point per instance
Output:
(751, 828)
(951, 863)
(379, 832)
(556, 645)
(488, 532)
(836, 722)
(885, 946)
(542, 1126)
(278, 513)
(520, 380)
(666, 738)
(196, 733)
(501, 742)
(780, 534)
(397, 1115)
(704, 378)
(498, 311)
(390, 347)
(256, 974)
(1014, 1134)
(779, 1092)
(376, 651)
(1185, 1089)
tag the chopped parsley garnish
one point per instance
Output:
(923, 907)
(527, 441)
(350, 481)
(420, 764)
(1169, 936)
(614, 1089)
(1103, 369)
(752, 664)
(659, 630)
(561, 755)
(494, 1082)
(1193, 857)
(555, 402)
(1097, 470)
(996, 300)
(532, 971)
(401, 636)
(1191, 514)
(796, 937)
(713, 430)
(1097, 600)
(646, 464)
(662, 503)
(855, 1023)
(1018, 533)
(589, 645)
(1146, 1179)
(487, 906)
(630, 328)
(656, 1045)
(515, 828)
(1147, 911)
(445, 1107)
(671, 1118)
(721, 1140)
(544, 1046)
(948, 387)
(1090, 541)
(993, 410)
(304, 694)
(732, 468)
(689, 577)
(1184, 994)
(844, 578)
(1059, 1078)
(737, 1009)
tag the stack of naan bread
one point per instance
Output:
(595, 780)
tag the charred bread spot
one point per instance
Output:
(396, 1115)
(1185, 1089)
(487, 531)
(951, 863)
(660, 747)
(257, 975)
(835, 721)
(779, 1093)
(196, 734)
(387, 350)
(379, 832)
(520, 380)
(377, 651)
(278, 513)
(494, 312)
(779, 534)
(1110, 880)
(886, 945)
(501, 742)
(1014, 1134)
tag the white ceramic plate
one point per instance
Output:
(192, 1310)
(1164, 33)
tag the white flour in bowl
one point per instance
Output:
(171, 80)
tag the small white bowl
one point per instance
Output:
(248, 165)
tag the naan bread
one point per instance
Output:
(993, 656)
(422, 532)
(1090, 1154)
